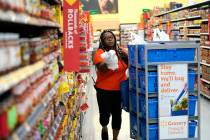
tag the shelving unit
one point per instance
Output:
(204, 80)
(192, 22)
(206, 47)
(30, 91)
(205, 64)
(25, 19)
(136, 94)
(23, 73)
(204, 20)
(126, 31)
(206, 2)
(22, 130)
(206, 96)
(188, 17)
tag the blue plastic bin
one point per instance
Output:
(153, 105)
(124, 89)
(160, 55)
(133, 101)
(132, 76)
(153, 131)
(133, 126)
(152, 82)
(192, 128)
(192, 105)
(132, 54)
(191, 80)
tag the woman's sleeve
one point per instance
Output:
(97, 57)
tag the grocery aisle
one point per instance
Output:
(91, 126)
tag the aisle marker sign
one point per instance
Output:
(71, 35)
(173, 101)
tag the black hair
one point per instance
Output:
(102, 42)
(120, 53)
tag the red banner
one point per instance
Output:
(71, 35)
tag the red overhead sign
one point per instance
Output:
(71, 35)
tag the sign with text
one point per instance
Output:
(173, 90)
(173, 127)
(71, 35)
(173, 100)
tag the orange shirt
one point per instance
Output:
(111, 79)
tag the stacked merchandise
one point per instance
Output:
(34, 94)
(37, 12)
(85, 35)
(126, 32)
(147, 27)
(29, 72)
(190, 23)
(205, 55)
(183, 23)
(145, 93)
(71, 96)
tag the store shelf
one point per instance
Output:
(56, 125)
(204, 33)
(206, 81)
(194, 17)
(206, 47)
(193, 26)
(25, 19)
(204, 20)
(198, 35)
(21, 132)
(205, 64)
(180, 19)
(205, 95)
(185, 7)
(8, 81)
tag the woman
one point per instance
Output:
(108, 83)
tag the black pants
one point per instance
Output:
(109, 103)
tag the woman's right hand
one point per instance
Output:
(102, 67)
